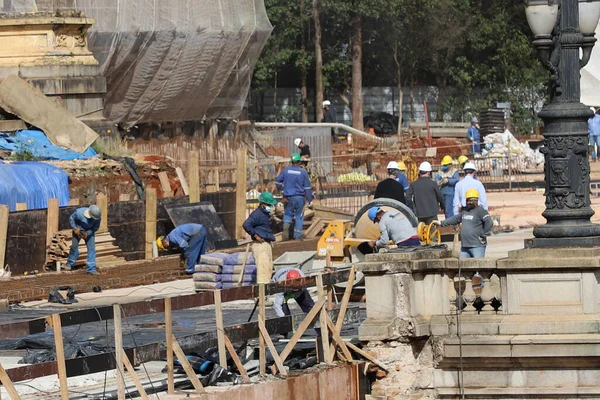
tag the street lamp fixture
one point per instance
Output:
(563, 30)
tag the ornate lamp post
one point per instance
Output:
(563, 29)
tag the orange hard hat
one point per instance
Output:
(293, 274)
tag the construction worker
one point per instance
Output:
(298, 293)
(476, 226)
(390, 188)
(294, 183)
(394, 226)
(447, 178)
(330, 116)
(474, 136)
(85, 221)
(424, 196)
(468, 182)
(402, 179)
(594, 132)
(304, 150)
(258, 226)
(190, 239)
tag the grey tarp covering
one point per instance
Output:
(170, 60)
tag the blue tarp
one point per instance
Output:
(32, 183)
(36, 143)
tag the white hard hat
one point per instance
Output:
(470, 165)
(326, 103)
(593, 110)
(425, 167)
(393, 165)
(297, 141)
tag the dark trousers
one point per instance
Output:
(195, 249)
(427, 220)
(304, 300)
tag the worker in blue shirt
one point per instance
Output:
(447, 178)
(258, 226)
(294, 183)
(402, 179)
(190, 239)
(474, 136)
(85, 221)
(594, 131)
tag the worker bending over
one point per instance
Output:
(476, 226)
(258, 226)
(299, 293)
(294, 183)
(190, 239)
(394, 226)
(85, 221)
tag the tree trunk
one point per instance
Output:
(303, 72)
(318, 61)
(400, 98)
(412, 100)
(275, 109)
(357, 103)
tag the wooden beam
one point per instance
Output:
(4, 212)
(323, 320)
(60, 356)
(236, 360)
(217, 180)
(187, 367)
(51, 219)
(300, 331)
(165, 184)
(169, 340)
(194, 176)
(344, 305)
(240, 191)
(102, 202)
(119, 352)
(150, 221)
(133, 376)
(8, 385)
(338, 339)
(265, 335)
(367, 356)
(220, 329)
(182, 181)
(21, 206)
(262, 352)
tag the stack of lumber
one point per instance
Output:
(316, 220)
(440, 129)
(107, 251)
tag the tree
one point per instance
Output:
(319, 87)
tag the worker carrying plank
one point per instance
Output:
(85, 221)
(394, 226)
(258, 226)
(300, 294)
(190, 239)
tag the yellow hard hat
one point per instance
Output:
(462, 159)
(472, 194)
(447, 160)
(402, 166)
(159, 243)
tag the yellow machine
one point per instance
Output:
(336, 241)
(429, 234)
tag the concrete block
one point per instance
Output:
(546, 324)
(386, 329)
(549, 253)
(472, 264)
(384, 267)
(425, 254)
(531, 264)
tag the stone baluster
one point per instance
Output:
(469, 294)
(496, 302)
(487, 295)
(459, 286)
(451, 290)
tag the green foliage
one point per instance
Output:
(22, 155)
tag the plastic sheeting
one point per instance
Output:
(170, 60)
(32, 183)
(36, 143)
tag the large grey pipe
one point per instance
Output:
(316, 125)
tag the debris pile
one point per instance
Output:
(500, 145)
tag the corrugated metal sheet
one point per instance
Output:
(318, 139)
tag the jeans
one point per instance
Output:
(594, 141)
(448, 207)
(90, 242)
(195, 249)
(295, 209)
(472, 252)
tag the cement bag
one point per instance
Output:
(207, 286)
(206, 277)
(213, 258)
(248, 278)
(213, 269)
(238, 258)
(237, 269)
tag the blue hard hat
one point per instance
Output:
(373, 213)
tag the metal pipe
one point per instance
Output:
(315, 125)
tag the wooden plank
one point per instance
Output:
(315, 228)
(187, 367)
(169, 340)
(60, 356)
(165, 184)
(182, 181)
(133, 376)
(4, 212)
(8, 385)
(51, 219)
(124, 197)
(74, 202)
(102, 202)
(119, 352)
(220, 329)
(262, 352)
(323, 320)
(217, 180)
(265, 335)
(241, 280)
(345, 300)
(21, 206)
(300, 331)
(338, 339)
(329, 214)
(240, 191)
(194, 176)
(236, 359)
(150, 221)
(367, 356)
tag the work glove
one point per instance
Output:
(77, 232)
(83, 235)
(436, 222)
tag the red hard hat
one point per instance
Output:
(293, 274)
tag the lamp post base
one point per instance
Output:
(589, 241)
